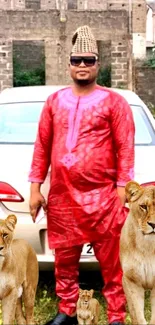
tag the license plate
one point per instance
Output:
(86, 251)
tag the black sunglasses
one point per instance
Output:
(88, 61)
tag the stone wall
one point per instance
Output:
(108, 26)
(144, 83)
(53, 22)
(139, 29)
(71, 4)
(6, 66)
(119, 63)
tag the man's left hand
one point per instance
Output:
(121, 194)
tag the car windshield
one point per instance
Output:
(19, 122)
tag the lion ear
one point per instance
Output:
(133, 191)
(11, 221)
(80, 292)
(91, 292)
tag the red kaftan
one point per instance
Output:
(88, 141)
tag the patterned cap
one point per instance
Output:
(84, 41)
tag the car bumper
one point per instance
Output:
(46, 262)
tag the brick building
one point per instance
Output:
(115, 23)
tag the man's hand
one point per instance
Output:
(121, 194)
(37, 201)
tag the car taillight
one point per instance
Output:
(148, 184)
(9, 194)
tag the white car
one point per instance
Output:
(20, 109)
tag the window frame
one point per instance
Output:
(148, 124)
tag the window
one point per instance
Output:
(19, 122)
(72, 4)
(32, 4)
(144, 133)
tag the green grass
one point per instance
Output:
(46, 306)
(46, 301)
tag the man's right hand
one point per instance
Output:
(37, 201)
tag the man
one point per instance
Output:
(86, 134)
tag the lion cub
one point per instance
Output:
(137, 250)
(88, 308)
(18, 275)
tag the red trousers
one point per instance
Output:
(67, 271)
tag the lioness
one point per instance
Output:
(137, 250)
(88, 308)
(18, 275)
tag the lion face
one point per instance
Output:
(142, 206)
(6, 233)
(85, 295)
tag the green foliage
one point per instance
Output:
(104, 76)
(150, 62)
(32, 77)
(151, 108)
(121, 86)
(46, 304)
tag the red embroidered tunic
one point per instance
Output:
(89, 143)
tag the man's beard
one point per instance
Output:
(84, 82)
